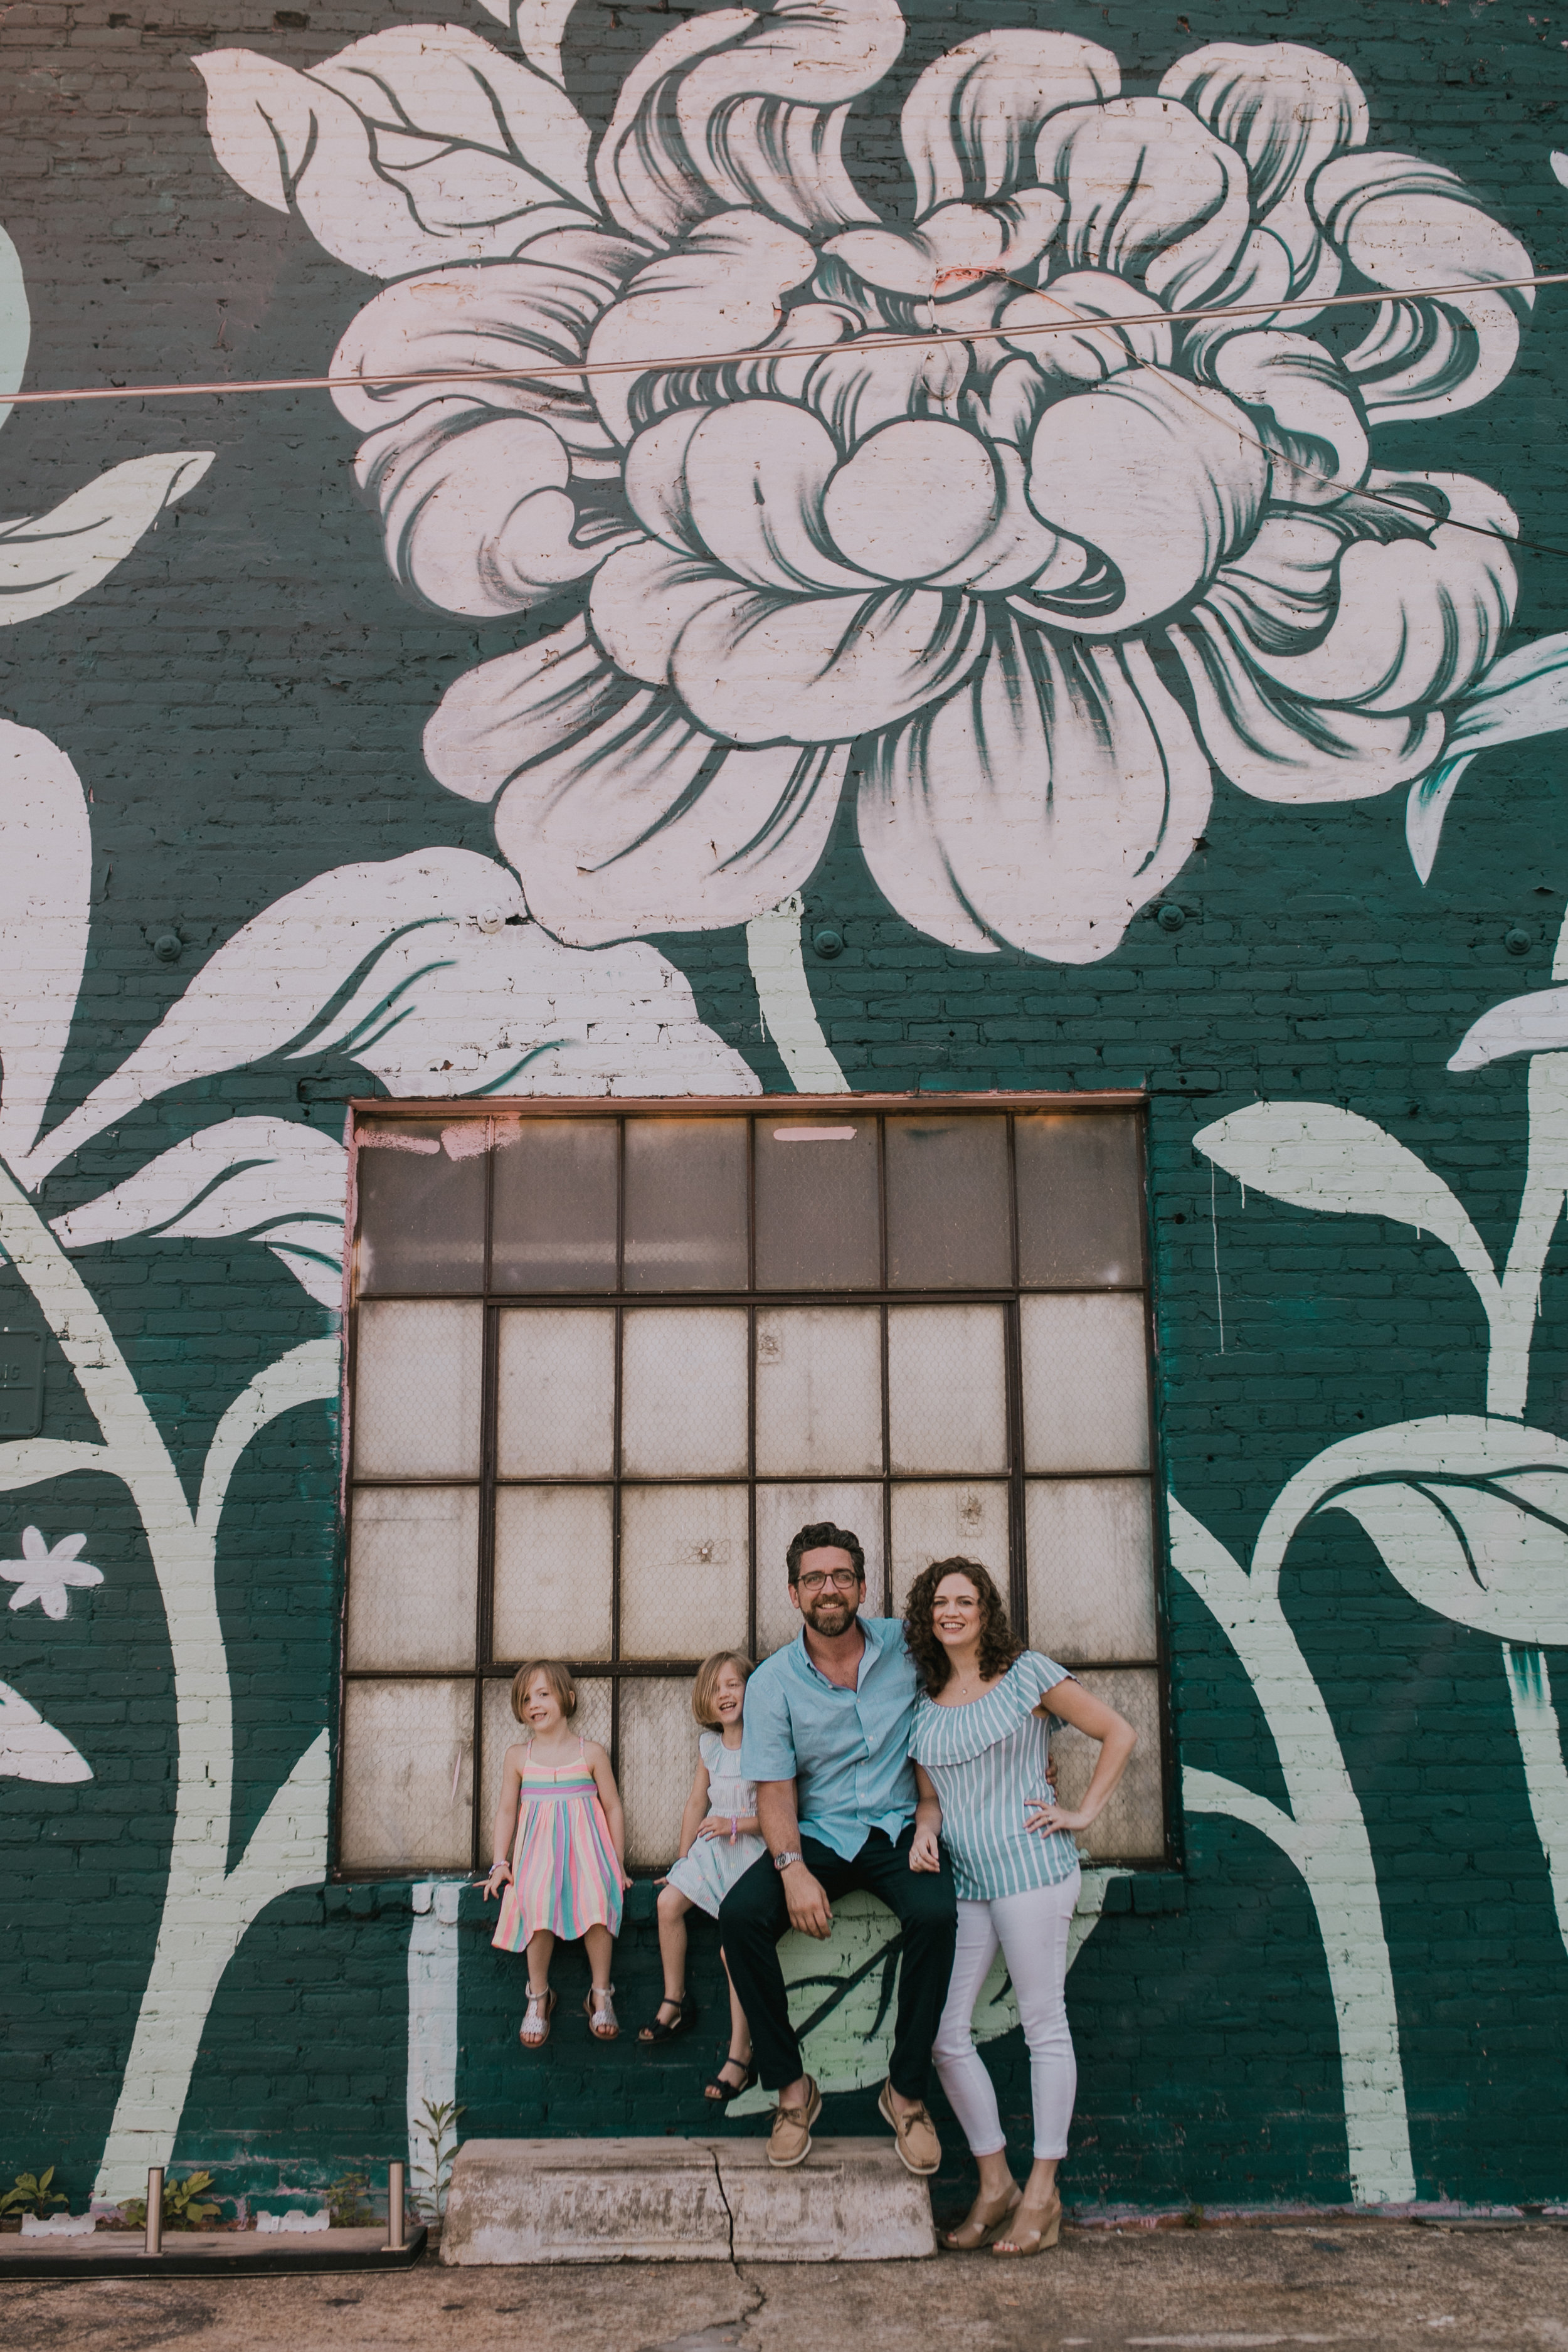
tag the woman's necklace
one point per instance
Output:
(963, 1681)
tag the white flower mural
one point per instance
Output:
(1051, 583)
(49, 1573)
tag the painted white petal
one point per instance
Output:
(33, 1545)
(643, 599)
(1041, 804)
(1278, 594)
(1308, 410)
(754, 474)
(75, 1573)
(50, 560)
(32, 1750)
(16, 325)
(68, 1548)
(46, 881)
(970, 123)
(228, 1178)
(719, 293)
(912, 500)
(1070, 360)
(867, 383)
(1406, 225)
(507, 711)
(1150, 195)
(1536, 1023)
(1164, 477)
(305, 1250)
(952, 245)
(1261, 276)
(1018, 547)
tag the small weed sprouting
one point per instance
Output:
(184, 2205)
(348, 2201)
(438, 2125)
(31, 2193)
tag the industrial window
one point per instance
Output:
(607, 1359)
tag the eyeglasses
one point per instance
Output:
(842, 1579)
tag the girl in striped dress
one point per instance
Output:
(560, 1847)
(980, 1747)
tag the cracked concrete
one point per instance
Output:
(1362, 2285)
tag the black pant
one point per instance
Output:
(754, 1915)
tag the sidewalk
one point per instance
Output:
(1370, 2286)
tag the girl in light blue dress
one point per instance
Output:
(719, 1843)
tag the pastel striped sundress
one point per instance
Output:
(563, 1872)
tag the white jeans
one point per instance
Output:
(1031, 1930)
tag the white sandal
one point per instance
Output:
(537, 2014)
(600, 2011)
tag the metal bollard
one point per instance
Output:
(153, 2243)
(394, 2238)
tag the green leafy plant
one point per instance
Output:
(31, 2193)
(184, 2205)
(438, 2127)
(348, 2201)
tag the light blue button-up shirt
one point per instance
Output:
(847, 1751)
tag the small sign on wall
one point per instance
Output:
(21, 1384)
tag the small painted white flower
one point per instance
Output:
(42, 1574)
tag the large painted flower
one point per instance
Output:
(1037, 587)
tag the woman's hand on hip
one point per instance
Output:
(925, 1854)
(1049, 1816)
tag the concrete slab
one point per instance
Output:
(681, 2201)
(202, 2253)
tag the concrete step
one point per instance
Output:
(681, 2201)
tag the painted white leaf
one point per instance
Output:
(267, 985)
(32, 1750)
(46, 881)
(267, 1177)
(49, 560)
(313, 1253)
(1522, 695)
(15, 326)
(1536, 1023)
(1316, 1156)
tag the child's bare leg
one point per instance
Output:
(673, 1908)
(540, 1946)
(601, 1945)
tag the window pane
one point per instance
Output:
(683, 1393)
(947, 1396)
(685, 1204)
(556, 1405)
(1081, 1198)
(502, 1730)
(552, 1220)
(1091, 1567)
(817, 1214)
(934, 1522)
(1133, 1826)
(414, 1562)
(416, 1390)
(1086, 1381)
(949, 1222)
(683, 1570)
(782, 1512)
(819, 1391)
(421, 1205)
(403, 1745)
(659, 1760)
(554, 1550)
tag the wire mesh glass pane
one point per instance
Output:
(683, 1570)
(683, 1391)
(947, 1392)
(685, 1204)
(782, 1512)
(421, 1191)
(414, 1560)
(936, 1522)
(407, 1766)
(949, 1225)
(658, 1761)
(552, 1218)
(818, 1218)
(502, 1730)
(819, 1391)
(555, 1408)
(554, 1557)
(416, 1389)
(1133, 1826)
(1081, 1198)
(1086, 1381)
(1090, 1568)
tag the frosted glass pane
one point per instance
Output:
(818, 1217)
(402, 1745)
(502, 1730)
(556, 1404)
(947, 1393)
(658, 1760)
(950, 1223)
(683, 1570)
(1133, 1826)
(819, 1391)
(782, 1512)
(421, 1191)
(683, 1393)
(413, 1559)
(934, 1522)
(416, 1390)
(1081, 1198)
(1086, 1381)
(554, 1551)
(685, 1204)
(553, 1219)
(1091, 1567)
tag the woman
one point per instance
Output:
(980, 1750)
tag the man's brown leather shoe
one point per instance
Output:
(789, 2142)
(919, 2150)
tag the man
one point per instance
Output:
(827, 1741)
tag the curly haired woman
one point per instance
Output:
(979, 1745)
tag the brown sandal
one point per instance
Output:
(600, 2011)
(986, 2220)
(538, 2013)
(1035, 2227)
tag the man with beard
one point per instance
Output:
(827, 1741)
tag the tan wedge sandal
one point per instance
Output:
(986, 2220)
(1032, 2230)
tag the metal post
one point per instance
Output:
(153, 2244)
(394, 2238)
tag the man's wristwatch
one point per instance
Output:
(783, 1861)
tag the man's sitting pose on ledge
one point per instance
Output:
(827, 1741)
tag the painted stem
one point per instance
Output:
(783, 994)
